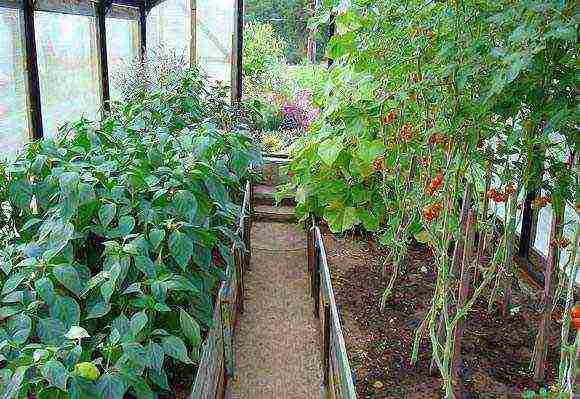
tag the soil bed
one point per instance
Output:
(496, 352)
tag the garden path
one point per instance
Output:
(276, 344)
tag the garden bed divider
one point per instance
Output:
(337, 376)
(217, 359)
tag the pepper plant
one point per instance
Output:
(119, 235)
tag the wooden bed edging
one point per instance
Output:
(217, 361)
(337, 376)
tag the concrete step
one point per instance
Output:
(274, 213)
(271, 173)
(264, 195)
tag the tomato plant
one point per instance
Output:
(440, 115)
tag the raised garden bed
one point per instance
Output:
(379, 343)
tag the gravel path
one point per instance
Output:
(277, 352)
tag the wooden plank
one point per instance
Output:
(342, 364)
(211, 364)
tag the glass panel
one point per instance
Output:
(215, 22)
(169, 27)
(13, 108)
(122, 48)
(67, 65)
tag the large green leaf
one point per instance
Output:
(111, 386)
(190, 328)
(329, 150)
(68, 276)
(180, 248)
(174, 347)
(55, 373)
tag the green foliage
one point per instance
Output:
(290, 21)
(124, 232)
(424, 100)
(263, 49)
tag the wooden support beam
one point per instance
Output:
(332, 32)
(143, 10)
(33, 81)
(526, 238)
(102, 9)
(237, 53)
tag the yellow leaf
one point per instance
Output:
(87, 370)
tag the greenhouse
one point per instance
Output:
(298, 199)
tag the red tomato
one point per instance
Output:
(575, 314)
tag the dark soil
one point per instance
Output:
(496, 352)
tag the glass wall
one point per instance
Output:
(13, 106)
(215, 23)
(122, 29)
(169, 28)
(67, 66)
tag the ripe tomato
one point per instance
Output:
(575, 314)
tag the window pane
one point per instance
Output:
(169, 27)
(122, 48)
(215, 29)
(67, 65)
(13, 108)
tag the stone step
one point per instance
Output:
(271, 173)
(264, 195)
(274, 213)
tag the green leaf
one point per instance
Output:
(19, 327)
(107, 213)
(45, 289)
(12, 283)
(111, 386)
(126, 225)
(174, 347)
(138, 322)
(156, 237)
(67, 310)
(55, 373)
(329, 150)
(185, 205)
(68, 276)
(190, 328)
(340, 219)
(98, 310)
(51, 331)
(146, 265)
(11, 390)
(180, 248)
(156, 356)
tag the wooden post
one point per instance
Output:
(526, 238)
(237, 53)
(311, 260)
(332, 32)
(326, 344)
(239, 263)
(311, 50)
(143, 30)
(316, 280)
(33, 81)
(193, 42)
(102, 9)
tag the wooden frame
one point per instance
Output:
(217, 363)
(337, 376)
